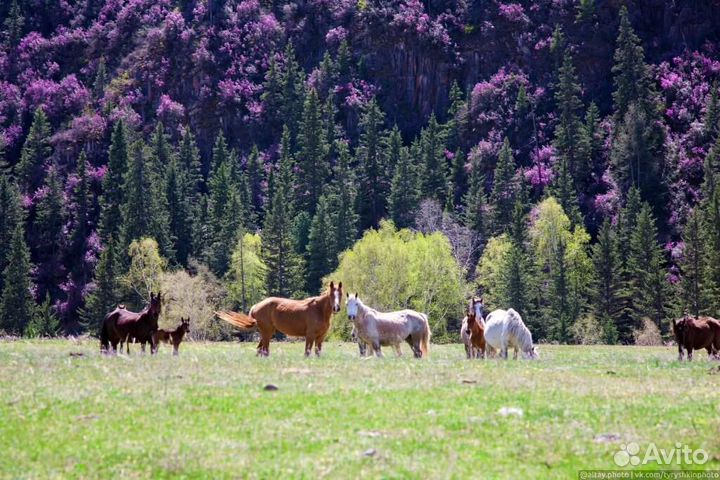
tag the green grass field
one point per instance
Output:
(205, 413)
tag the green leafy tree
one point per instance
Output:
(16, 303)
(146, 268)
(35, 151)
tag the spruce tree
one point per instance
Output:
(559, 293)
(502, 196)
(312, 155)
(81, 210)
(648, 285)
(692, 291)
(283, 265)
(44, 321)
(590, 147)
(16, 303)
(373, 178)
(256, 178)
(189, 160)
(223, 207)
(11, 215)
(113, 195)
(106, 293)
(14, 23)
(563, 189)
(341, 208)
(606, 296)
(459, 177)
(46, 234)
(568, 130)
(435, 167)
(100, 80)
(180, 210)
(474, 215)
(710, 207)
(711, 123)
(404, 195)
(35, 151)
(515, 274)
(321, 248)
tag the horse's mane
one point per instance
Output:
(516, 327)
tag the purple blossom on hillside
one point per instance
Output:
(335, 36)
(513, 12)
(170, 110)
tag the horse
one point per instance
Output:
(505, 328)
(121, 325)
(362, 346)
(174, 337)
(309, 318)
(472, 330)
(391, 328)
(695, 334)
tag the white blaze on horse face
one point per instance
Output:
(478, 310)
(352, 307)
(336, 300)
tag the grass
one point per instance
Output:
(205, 413)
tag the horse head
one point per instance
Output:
(477, 308)
(352, 306)
(185, 324)
(155, 304)
(336, 296)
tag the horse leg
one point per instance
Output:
(308, 345)
(689, 354)
(398, 352)
(376, 347)
(467, 351)
(176, 348)
(318, 344)
(680, 352)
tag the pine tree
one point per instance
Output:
(341, 207)
(404, 190)
(256, 178)
(80, 210)
(320, 248)
(16, 303)
(455, 126)
(515, 275)
(631, 75)
(503, 192)
(710, 207)
(312, 155)
(284, 91)
(46, 233)
(113, 195)
(590, 147)
(11, 215)
(459, 177)
(284, 266)
(189, 160)
(692, 266)
(373, 179)
(563, 189)
(474, 215)
(568, 130)
(35, 151)
(435, 168)
(180, 210)
(14, 23)
(100, 80)
(559, 293)
(648, 286)
(606, 296)
(44, 321)
(106, 293)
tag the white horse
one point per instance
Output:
(392, 328)
(504, 329)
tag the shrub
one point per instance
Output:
(648, 335)
(587, 331)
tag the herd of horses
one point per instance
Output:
(484, 335)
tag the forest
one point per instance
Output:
(560, 157)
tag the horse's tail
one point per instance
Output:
(425, 340)
(104, 338)
(236, 319)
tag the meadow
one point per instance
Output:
(68, 412)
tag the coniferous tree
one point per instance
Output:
(435, 167)
(106, 293)
(189, 160)
(113, 195)
(503, 192)
(16, 303)
(404, 190)
(474, 215)
(455, 126)
(515, 275)
(284, 266)
(312, 155)
(607, 284)
(559, 293)
(14, 23)
(710, 207)
(373, 181)
(180, 210)
(46, 233)
(44, 321)
(11, 215)
(284, 91)
(648, 286)
(711, 124)
(563, 189)
(100, 80)
(320, 247)
(459, 181)
(692, 291)
(80, 210)
(568, 130)
(590, 147)
(256, 177)
(341, 208)
(35, 151)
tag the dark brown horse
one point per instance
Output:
(309, 318)
(695, 333)
(473, 326)
(121, 325)
(174, 337)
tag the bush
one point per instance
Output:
(648, 335)
(587, 331)
(195, 296)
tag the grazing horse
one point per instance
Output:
(122, 324)
(391, 328)
(695, 334)
(309, 318)
(473, 329)
(174, 337)
(505, 328)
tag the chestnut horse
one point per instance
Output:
(473, 329)
(174, 337)
(122, 325)
(695, 334)
(309, 318)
